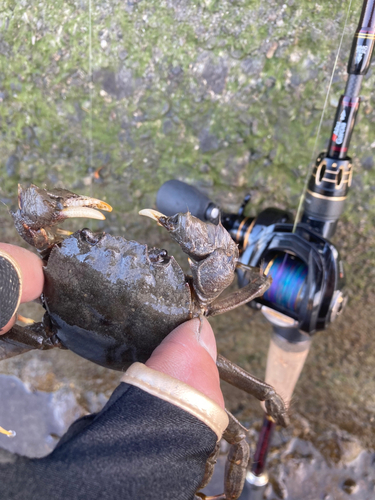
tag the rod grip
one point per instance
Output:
(284, 365)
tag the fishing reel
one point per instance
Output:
(307, 273)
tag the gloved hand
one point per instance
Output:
(21, 280)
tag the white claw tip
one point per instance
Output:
(153, 214)
(87, 213)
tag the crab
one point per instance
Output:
(100, 291)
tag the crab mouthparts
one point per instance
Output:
(153, 214)
(86, 207)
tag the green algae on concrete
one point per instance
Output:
(172, 85)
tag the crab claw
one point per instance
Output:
(86, 207)
(154, 215)
(41, 209)
(196, 238)
(10, 434)
(188, 231)
(50, 206)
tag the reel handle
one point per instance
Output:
(175, 196)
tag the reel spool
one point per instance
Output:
(289, 282)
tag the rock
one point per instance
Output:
(271, 51)
(123, 54)
(167, 126)
(368, 162)
(119, 85)
(12, 165)
(211, 73)
(350, 486)
(350, 449)
(39, 418)
(252, 65)
(207, 142)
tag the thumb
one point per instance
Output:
(189, 354)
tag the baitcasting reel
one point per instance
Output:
(308, 275)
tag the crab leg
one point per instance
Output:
(238, 458)
(210, 465)
(236, 465)
(257, 286)
(22, 339)
(238, 377)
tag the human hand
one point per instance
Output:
(188, 353)
(31, 269)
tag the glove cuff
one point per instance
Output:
(178, 393)
(10, 287)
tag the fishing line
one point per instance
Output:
(90, 88)
(313, 155)
(288, 287)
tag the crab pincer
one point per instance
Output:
(213, 255)
(40, 210)
(213, 258)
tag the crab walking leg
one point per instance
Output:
(237, 462)
(238, 458)
(210, 465)
(235, 375)
(22, 339)
(254, 289)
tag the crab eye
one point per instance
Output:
(157, 256)
(90, 237)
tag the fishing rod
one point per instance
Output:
(307, 292)
(324, 202)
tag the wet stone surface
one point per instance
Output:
(298, 470)
(39, 418)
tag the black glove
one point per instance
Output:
(138, 447)
(10, 287)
